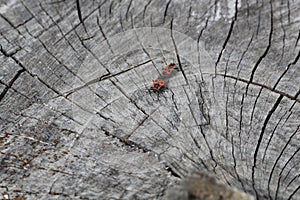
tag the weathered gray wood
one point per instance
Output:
(77, 119)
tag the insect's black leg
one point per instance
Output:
(177, 69)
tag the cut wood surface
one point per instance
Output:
(78, 121)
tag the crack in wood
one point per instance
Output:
(78, 24)
(145, 10)
(141, 123)
(298, 38)
(269, 115)
(266, 50)
(295, 191)
(166, 11)
(270, 138)
(105, 77)
(80, 15)
(234, 164)
(11, 24)
(177, 54)
(9, 85)
(286, 69)
(55, 23)
(127, 141)
(181, 152)
(234, 19)
(263, 86)
(128, 8)
(240, 60)
(277, 160)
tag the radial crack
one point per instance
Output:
(228, 35)
(295, 191)
(166, 11)
(265, 52)
(286, 69)
(105, 77)
(264, 86)
(3, 93)
(80, 15)
(261, 136)
(273, 168)
(282, 169)
(177, 54)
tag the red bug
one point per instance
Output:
(168, 69)
(159, 83)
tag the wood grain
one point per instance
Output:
(78, 121)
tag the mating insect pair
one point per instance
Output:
(159, 84)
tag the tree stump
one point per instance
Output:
(78, 119)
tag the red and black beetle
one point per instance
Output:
(159, 83)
